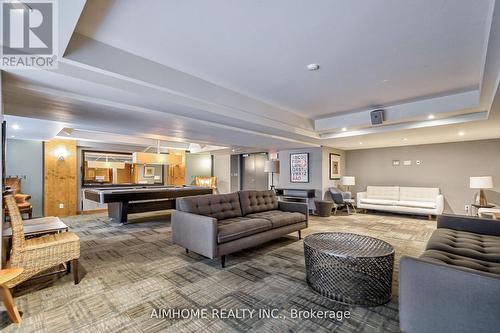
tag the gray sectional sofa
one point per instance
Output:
(454, 286)
(217, 225)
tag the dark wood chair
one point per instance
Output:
(25, 207)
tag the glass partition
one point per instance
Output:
(114, 169)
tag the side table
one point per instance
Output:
(323, 207)
(476, 213)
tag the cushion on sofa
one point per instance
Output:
(417, 204)
(378, 201)
(219, 206)
(383, 192)
(451, 259)
(279, 218)
(239, 227)
(466, 244)
(428, 194)
(257, 201)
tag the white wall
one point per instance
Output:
(24, 159)
(222, 170)
(198, 165)
(327, 182)
(444, 165)
(282, 180)
(319, 170)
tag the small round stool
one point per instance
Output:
(323, 207)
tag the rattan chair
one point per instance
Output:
(38, 254)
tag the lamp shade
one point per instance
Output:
(272, 166)
(481, 182)
(348, 180)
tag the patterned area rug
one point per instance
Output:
(130, 272)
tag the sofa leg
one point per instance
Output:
(223, 261)
(74, 268)
(300, 234)
(187, 250)
(430, 217)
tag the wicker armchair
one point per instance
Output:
(36, 255)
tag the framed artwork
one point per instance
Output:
(334, 166)
(149, 172)
(299, 168)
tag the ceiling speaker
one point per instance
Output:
(377, 117)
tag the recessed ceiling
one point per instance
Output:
(235, 74)
(371, 52)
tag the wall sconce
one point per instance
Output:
(61, 153)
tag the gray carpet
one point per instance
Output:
(128, 271)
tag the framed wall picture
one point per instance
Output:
(299, 168)
(149, 172)
(334, 166)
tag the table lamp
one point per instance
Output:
(481, 183)
(272, 166)
(348, 181)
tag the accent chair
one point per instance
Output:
(38, 254)
(339, 198)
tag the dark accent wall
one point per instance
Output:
(447, 166)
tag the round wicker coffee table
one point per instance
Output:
(349, 268)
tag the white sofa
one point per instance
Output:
(399, 199)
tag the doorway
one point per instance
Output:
(253, 176)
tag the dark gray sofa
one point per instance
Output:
(217, 225)
(454, 286)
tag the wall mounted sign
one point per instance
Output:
(395, 163)
(149, 172)
(407, 163)
(334, 166)
(299, 168)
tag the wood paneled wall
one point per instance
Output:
(176, 174)
(60, 185)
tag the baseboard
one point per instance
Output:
(93, 211)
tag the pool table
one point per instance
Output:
(122, 201)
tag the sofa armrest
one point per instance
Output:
(359, 196)
(439, 204)
(295, 207)
(469, 223)
(197, 233)
(440, 298)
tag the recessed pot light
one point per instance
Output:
(461, 133)
(344, 129)
(312, 67)
(360, 143)
(15, 126)
(405, 139)
(431, 116)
